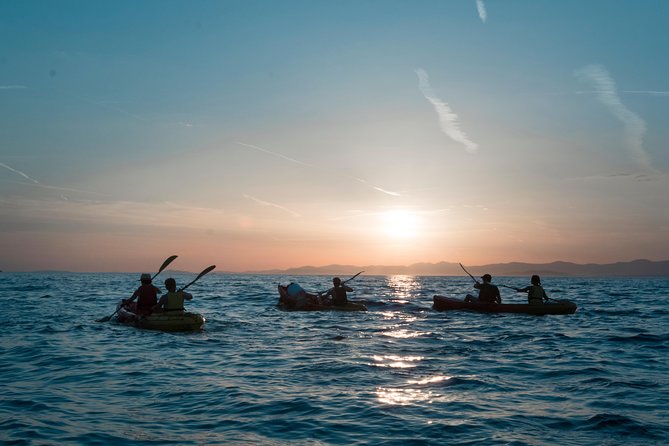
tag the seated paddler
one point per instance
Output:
(535, 292)
(172, 301)
(338, 293)
(488, 293)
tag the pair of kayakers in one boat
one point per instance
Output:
(147, 298)
(489, 293)
(297, 297)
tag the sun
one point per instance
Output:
(399, 224)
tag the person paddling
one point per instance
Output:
(535, 292)
(488, 293)
(146, 295)
(338, 293)
(173, 300)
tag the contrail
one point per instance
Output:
(648, 92)
(34, 182)
(20, 173)
(480, 6)
(13, 87)
(634, 126)
(274, 205)
(385, 191)
(292, 160)
(302, 163)
(447, 119)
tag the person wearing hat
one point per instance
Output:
(488, 293)
(146, 295)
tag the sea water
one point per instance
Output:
(399, 374)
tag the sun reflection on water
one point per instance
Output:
(403, 288)
(398, 396)
(401, 362)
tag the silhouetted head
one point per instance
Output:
(536, 280)
(486, 278)
(336, 281)
(145, 279)
(170, 284)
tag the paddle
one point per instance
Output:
(347, 280)
(463, 268)
(518, 289)
(169, 260)
(204, 271)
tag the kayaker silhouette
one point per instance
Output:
(338, 293)
(488, 293)
(535, 292)
(173, 300)
(146, 295)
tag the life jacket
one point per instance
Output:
(175, 301)
(339, 297)
(535, 295)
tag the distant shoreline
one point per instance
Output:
(635, 268)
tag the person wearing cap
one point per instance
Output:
(173, 300)
(338, 293)
(535, 292)
(146, 295)
(488, 293)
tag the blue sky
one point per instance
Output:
(262, 134)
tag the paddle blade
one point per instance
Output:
(205, 271)
(169, 260)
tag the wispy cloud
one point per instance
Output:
(287, 158)
(302, 163)
(34, 182)
(634, 126)
(447, 119)
(18, 172)
(380, 189)
(480, 6)
(640, 177)
(274, 205)
(357, 213)
(648, 92)
(13, 87)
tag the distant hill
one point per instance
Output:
(635, 268)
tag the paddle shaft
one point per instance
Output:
(463, 268)
(347, 280)
(518, 289)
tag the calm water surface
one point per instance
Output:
(398, 374)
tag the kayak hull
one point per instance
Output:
(443, 303)
(186, 321)
(288, 304)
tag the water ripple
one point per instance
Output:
(398, 374)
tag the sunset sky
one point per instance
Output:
(273, 134)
